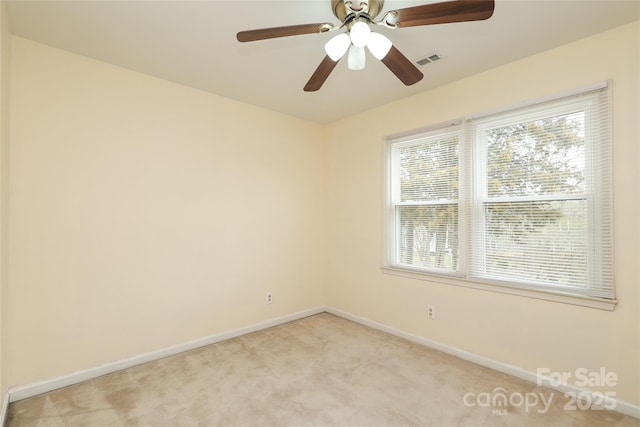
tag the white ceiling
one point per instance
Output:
(193, 43)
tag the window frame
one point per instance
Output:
(468, 200)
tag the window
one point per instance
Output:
(518, 199)
(426, 200)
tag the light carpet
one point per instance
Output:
(319, 371)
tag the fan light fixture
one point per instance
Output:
(358, 37)
(356, 16)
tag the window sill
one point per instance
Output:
(584, 301)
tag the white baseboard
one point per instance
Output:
(30, 390)
(5, 408)
(621, 406)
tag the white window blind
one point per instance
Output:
(529, 207)
(426, 197)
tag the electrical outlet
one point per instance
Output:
(268, 298)
(431, 312)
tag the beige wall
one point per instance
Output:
(146, 214)
(524, 332)
(5, 61)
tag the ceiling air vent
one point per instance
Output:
(427, 59)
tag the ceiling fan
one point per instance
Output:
(357, 16)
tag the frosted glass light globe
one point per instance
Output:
(337, 46)
(379, 45)
(356, 59)
(360, 33)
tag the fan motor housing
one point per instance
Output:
(340, 10)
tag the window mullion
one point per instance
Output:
(477, 243)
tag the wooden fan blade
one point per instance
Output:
(445, 12)
(320, 75)
(275, 32)
(404, 69)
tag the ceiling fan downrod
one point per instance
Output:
(343, 10)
